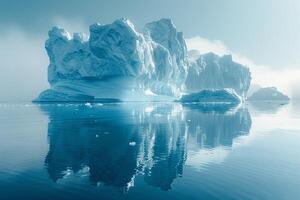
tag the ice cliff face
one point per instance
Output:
(117, 62)
(112, 50)
(210, 71)
(169, 53)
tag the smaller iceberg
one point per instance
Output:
(116, 62)
(212, 96)
(212, 72)
(268, 94)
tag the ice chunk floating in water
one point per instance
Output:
(268, 94)
(212, 96)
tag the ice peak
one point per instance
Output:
(119, 23)
(227, 58)
(95, 26)
(157, 28)
(163, 22)
(59, 33)
(124, 21)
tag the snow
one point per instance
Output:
(210, 71)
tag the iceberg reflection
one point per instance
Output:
(114, 143)
(267, 107)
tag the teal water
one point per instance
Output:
(149, 151)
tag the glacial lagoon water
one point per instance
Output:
(149, 151)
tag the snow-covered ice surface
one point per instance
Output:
(115, 62)
(268, 94)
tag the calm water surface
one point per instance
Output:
(149, 151)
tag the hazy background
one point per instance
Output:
(264, 34)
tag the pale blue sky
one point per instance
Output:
(265, 31)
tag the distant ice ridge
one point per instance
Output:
(116, 62)
(210, 71)
(268, 94)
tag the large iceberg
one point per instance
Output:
(118, 63)
(210, 71)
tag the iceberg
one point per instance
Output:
(117, 62)
(212, 96)
(210, 71)
(268, 94)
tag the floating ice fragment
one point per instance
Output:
(88, 104)
(132, 143)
